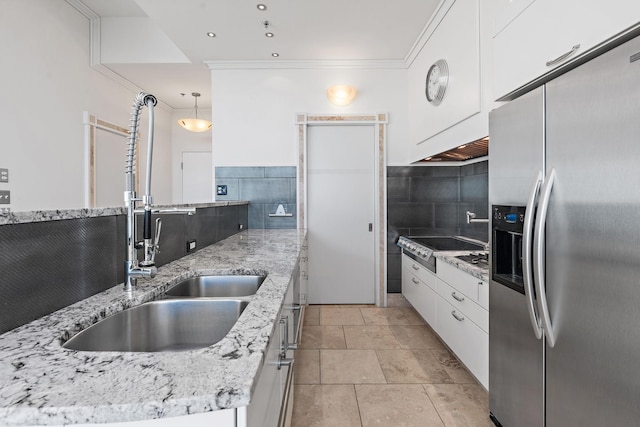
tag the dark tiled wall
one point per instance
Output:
(264, 187)
(433, 200)
(49, 265)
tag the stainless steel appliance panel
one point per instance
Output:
(516, 389)
(516, 150)
(593, 241)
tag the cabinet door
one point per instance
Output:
(421, 296)
(264, 408)
(465, 338)
(542, 37)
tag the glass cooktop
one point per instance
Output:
(438, 243)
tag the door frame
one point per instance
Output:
(92, 125)
(379, 122)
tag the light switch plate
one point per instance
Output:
(4, 175)
(5, 197)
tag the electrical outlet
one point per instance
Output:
(221, 190)
(4, 175)
(5, 197)
(191, 245)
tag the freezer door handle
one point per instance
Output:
(527, 240)
(538, 257)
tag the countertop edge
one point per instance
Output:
(24, 217)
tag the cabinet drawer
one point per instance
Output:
(459, 280)
(421, 296)
(465, 338)
(429, 278)
(464, 305)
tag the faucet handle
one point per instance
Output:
(156, 240)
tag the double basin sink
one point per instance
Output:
(196, 313)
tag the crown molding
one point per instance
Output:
(94, 59)
(428, 31)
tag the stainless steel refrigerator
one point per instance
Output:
(564, 188)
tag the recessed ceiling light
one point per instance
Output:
(261, 7)
(275, 54)
(210, 34)
(268, 34)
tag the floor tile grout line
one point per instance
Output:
(355, 392)
(434, 405)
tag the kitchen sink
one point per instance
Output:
(164, 325)
(228, 286)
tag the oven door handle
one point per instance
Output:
(527, 257)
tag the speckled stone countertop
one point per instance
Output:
(42, 383)
(55, 215)
(449, 257)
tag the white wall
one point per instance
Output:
(45, 85)
(254, 110)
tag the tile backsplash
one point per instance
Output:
(433, 200)
(47, 265)
(265, 188)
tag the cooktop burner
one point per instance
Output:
(479, 259)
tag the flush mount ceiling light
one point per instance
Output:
(269, 34)
(275, 54)
(341, 94)
(261, 7)
(210, 34)
(195, 125)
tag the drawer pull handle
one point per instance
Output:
(415, 267)
(480, 283)
(456, 297)
(457, 316)
(414, 280)
(563, 56)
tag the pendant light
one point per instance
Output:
(195, 125)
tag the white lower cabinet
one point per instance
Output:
(455, 305)
(419, 292)
(465, 339)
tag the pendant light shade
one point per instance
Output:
(195, 124)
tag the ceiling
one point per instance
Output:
(303, 30)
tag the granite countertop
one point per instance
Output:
(477, 271)
(42, 383)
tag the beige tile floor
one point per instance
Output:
(362, 366)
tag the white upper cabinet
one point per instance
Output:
(455, 41)
(533, 38)
(461, 35)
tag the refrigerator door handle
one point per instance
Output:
(527, 257)
(538, 257)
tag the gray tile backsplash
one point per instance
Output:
(264, 187)
(433, 200)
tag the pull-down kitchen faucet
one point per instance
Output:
(146, 267)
